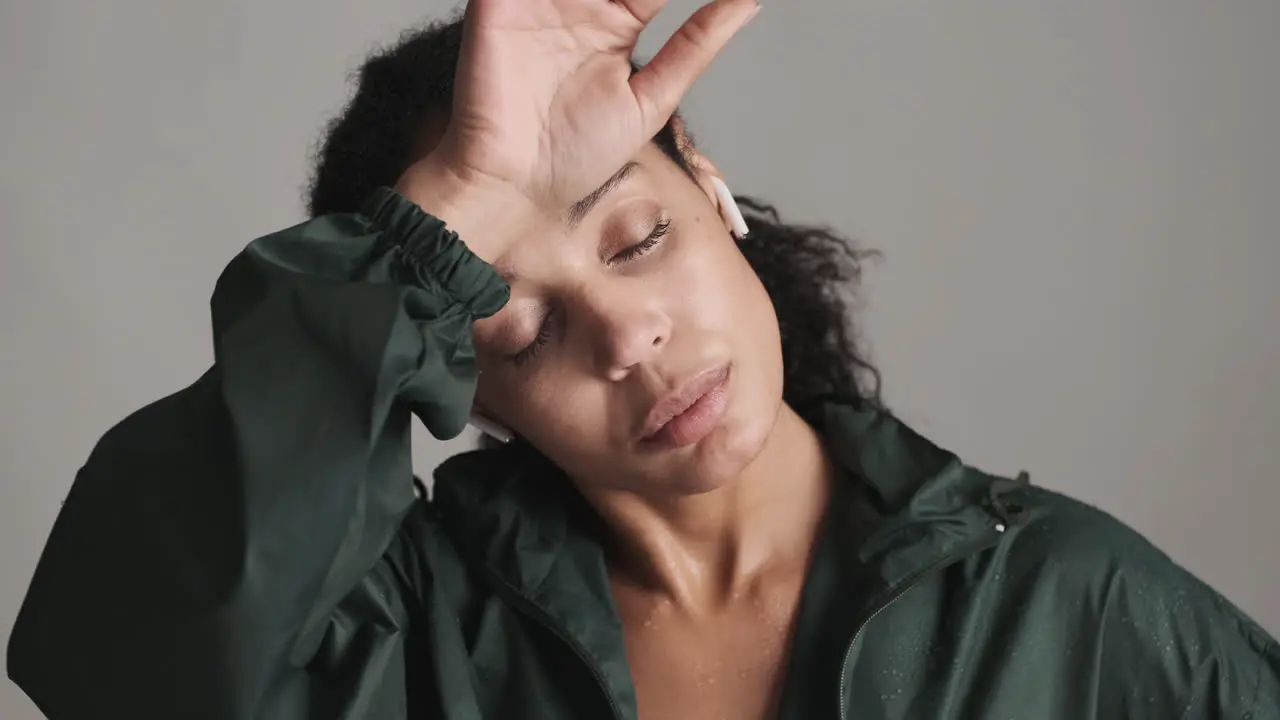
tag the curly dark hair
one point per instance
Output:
(809, 272)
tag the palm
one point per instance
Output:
(546, 100)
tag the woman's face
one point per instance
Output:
(647, 295)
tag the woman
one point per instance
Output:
(686, 525)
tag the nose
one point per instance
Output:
(626, 326)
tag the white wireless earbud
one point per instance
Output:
(493, 429)
(729, 208)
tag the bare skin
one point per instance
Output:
(709, 540)
(708, 591)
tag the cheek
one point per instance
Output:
(719, 291)
(733, 305)
(561, 413)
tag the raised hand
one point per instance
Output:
(546, 107)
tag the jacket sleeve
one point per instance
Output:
(1152, 639)
(1239, 675)
(233, 550)
(1239, 678)
(1213, 661)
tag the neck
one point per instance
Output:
(703, 551)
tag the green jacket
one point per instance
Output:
(253, 546)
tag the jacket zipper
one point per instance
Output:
(902, 589)
(543, 618)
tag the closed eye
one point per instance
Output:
(530, 351)
(659, 231)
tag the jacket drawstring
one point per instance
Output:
(1003, 502)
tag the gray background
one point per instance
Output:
(1077, 202)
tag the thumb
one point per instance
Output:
(659, 86)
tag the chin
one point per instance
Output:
(721, 457)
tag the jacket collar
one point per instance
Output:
(931, 505)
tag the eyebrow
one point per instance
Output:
(579, 210)
(583, 207)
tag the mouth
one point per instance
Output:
(691, 412)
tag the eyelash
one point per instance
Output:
(644, 246)
(544, 330)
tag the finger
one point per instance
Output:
(660, 85)
(642, 10)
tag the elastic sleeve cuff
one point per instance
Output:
(434, 255)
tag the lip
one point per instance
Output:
(689, 413)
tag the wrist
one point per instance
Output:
(487, 215)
